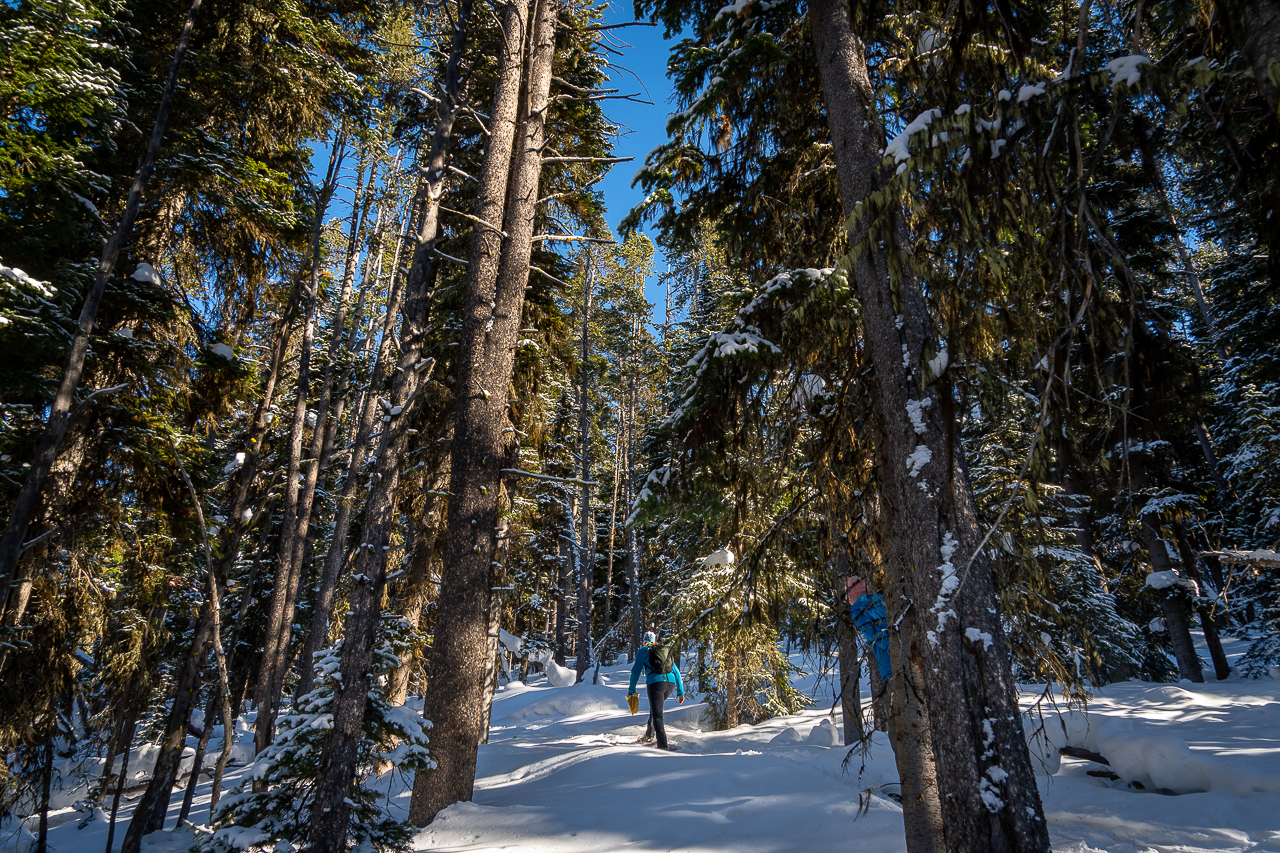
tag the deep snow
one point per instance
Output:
(562, 772)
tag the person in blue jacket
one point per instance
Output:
(868, 612)
(659, 686)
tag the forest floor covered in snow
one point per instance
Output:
(562, 772)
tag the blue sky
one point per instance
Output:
(641, 69)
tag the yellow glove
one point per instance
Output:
(633, 703)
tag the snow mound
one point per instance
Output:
(242, 750)
(558, 675)
(22, 839)
(687, 717)
(788, 735)
(1156, 760)
(825, 733)
(573, 701)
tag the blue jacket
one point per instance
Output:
(642, 662)
(869, 615)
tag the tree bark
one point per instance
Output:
(411, 603)
(284, 593)
(1254, 26)
(129, 726)
(60, 410)
(586, 533)
(967, 782)
(320, 434)
(613, 527)
(338, 761)
(327, 586)
(496, 279)
(1173, 600)
(222, 690)
(563, 578)
(633, 546)
(149, 815)
(1190, 562)
(849, 666)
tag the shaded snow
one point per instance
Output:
(562, 773)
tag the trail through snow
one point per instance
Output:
(562, 772)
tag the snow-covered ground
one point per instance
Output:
(562, 772)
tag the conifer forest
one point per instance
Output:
(366, 397)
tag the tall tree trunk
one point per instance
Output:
(202, 745)
(496, 279)
(60, 410)
(563, 579)
(849, 663)
(586, 533)
(284, 591)
(370, 411)
(849, 666)
(1173, 599)
(731, 668)
(967, 781)
(338, 761)
(58, 493)
(222, 690)
(411, 603)
(1190, 562)
(613, 527)
(129, 726)
(321, 433)
(633, 546)
(149, 814)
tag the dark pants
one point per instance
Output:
(659, 692)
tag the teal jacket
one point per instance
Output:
(642, 663)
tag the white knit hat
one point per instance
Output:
(650, 637)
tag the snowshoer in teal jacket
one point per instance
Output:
(659, 686)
